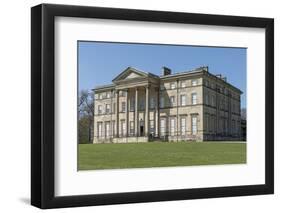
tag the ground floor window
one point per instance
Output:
(107, 129)
(162, 126)
(99, 127)
(151, 126)
(194, 125)
(132, 128)
(172, 126)
(123, 128)
(113, 128)
(183, 125)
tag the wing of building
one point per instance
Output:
(192, 105)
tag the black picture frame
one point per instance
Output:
(43, 102)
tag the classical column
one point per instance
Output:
(127, 114)
(117, 114)
(136, 113)
(147, 98)
(156, 112)
(178, 103)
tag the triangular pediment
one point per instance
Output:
(130, 73)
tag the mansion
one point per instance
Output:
(185, 106)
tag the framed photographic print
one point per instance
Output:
(139, 106)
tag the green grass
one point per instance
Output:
(159, 154)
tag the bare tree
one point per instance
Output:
(86, 116)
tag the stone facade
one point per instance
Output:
(187, 106)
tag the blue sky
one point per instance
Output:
(100, 62)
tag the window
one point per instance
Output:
(123, 128)
(107, 129)
(183, 84)
(114, 107)
(132, 128)
(213, 100)
(183, 100)
(162, 87)
(183, 126)
(172, 126)
(152, 103)
(194, 125)
(206, 122)
(123, 106)
(163, 127)
(123, 93)
(108, 95)
(99, 132)
(194, 82)
(141, 104)
(207, 99)
(233, 127)
(172, 100)
(132, 104)
(113, 128)
(151, 127)
(99, 109)
(107, 108)
(172, 85)
(206, 83)
(223, 104)
(100, 96)
(96, 96)
(194, 98)
(162, 102)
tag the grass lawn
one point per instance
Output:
(159, 154)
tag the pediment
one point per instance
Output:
(130, 73)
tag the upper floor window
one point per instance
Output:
(183, 100)
(123, 93)
(108, 95)
(206, 83)
(194, 82)
(123, 106)
(132, 104)
(100, 96)
(213, 101)
(183, 84)
(172, 85)
(162, 102)
(107, 108)
(141, 106)
(99, 109)
(194, 98)
(207, 99)
(96, 96)
(172, 100)
(152, 103)
(162, 87)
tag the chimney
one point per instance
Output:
(166, 71)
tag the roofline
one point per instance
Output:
(181, 73)
(102, 87)
(229, 84)
(200, 70)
